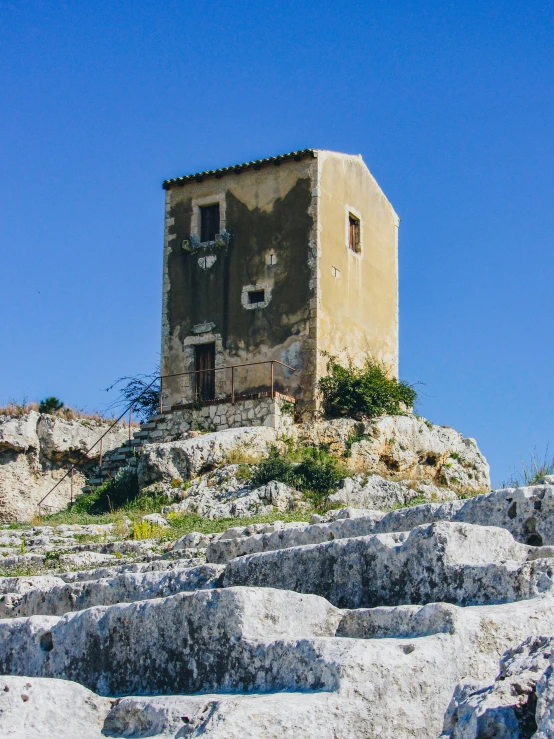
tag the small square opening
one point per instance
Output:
(256, 296)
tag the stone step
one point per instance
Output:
(58, 598)
(452, 562)
(148, 425)
(233, 639)
(527, 513)
(141, 435)
(235, 646)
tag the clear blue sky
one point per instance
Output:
(450, 104)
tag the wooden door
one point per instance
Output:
(205, 379)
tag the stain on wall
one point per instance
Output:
(197, 295)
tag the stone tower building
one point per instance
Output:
(278, 259)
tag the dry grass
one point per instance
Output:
(242, 454)
(15, 410)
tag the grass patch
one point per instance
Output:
(111, 495)
(16, 409)
(179, 524)
(531, 472)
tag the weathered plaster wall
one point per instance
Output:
(358, 307)
(269, 212)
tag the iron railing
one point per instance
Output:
(232, 367)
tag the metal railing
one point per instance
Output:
(129, 410)
(232, 367)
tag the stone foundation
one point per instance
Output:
(217, 415)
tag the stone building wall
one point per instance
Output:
(270, 214)
(217, 416)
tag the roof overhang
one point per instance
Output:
(238, 168)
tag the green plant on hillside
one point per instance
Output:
(363, 392)
(275, 466)
(532, 471)
(317, 474)
(145, 530)
(354, 439)
(111, 495)
(50, 405)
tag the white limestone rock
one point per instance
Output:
(32, 707)
(223, 494)
(527, 513)
(235, 638)
(19, 434)
(63, 597)
(509, 707)
(85, 559)
(182, 460)
(288, 535)
(156, 519)
(406, 447)
(60, 437)
(22, 585)
(452, 562)
(376, 492)
(396, 686)
(36, 450)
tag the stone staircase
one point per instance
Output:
(123, 457)
(387, 626)
(257, 409)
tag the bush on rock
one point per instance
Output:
(317, 474)
(50, 405)
(363, 392)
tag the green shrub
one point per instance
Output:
(146, 530)
(148, 502)
(363, 392)
(111, 495)
(273, 467)
(317, 475)
(50, 405)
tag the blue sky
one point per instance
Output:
(450, 104)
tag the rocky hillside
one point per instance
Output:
(36, 450)
(427, 621)
(389, 461)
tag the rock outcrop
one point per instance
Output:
(393, 460)
(519, 703)
(36, 450)
(405, 447)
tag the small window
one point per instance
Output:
(354, 238)
(209, 222)
(256, 296)
(271, 259)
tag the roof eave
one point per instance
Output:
(238, 168)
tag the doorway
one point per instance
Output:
(205, 378)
